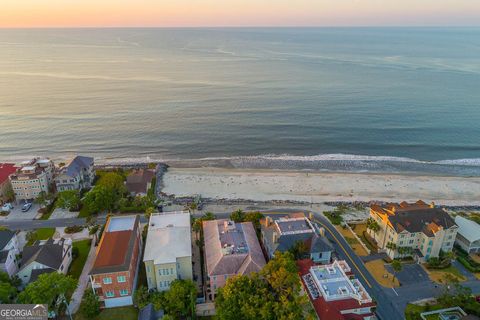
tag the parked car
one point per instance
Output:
(7, 207)
(26, 206)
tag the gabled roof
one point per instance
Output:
(219, 262)
(427, 220)
(5, 237)
(469, 229)
(75, 166)
(49, 254)
(6, 169)
(37, 272)
(138, 180)
(148, 313)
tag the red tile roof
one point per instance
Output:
(331, 310)
(6, 169)
(113, 249)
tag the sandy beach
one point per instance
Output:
(265, 185)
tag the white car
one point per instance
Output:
(7, 207)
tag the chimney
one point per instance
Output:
(432, 204)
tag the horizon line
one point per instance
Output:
(244, 27)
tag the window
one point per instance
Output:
(109, 294)
(171, 270)
(148, 268)
(411, 241)
(226, 277)
(107, 280)
(123, 292)
(121, 279)
(449, 237)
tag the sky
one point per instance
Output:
(212, 13)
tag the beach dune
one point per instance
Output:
(265, 185)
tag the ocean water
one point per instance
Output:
(349, 99)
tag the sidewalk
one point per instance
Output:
(82, 281)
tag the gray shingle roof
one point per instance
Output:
(75, 166)
(419, 220)
(5, 237)
(50, 254)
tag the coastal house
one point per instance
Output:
(114, 272)
(45, 257)
(77, 174)
(416, 229)
(31, 178)
(283, 233)
(6, 169)
(139, 181)
(468, 236)
(8, 252)
(230, 249)
(334, 292)
(168, 249)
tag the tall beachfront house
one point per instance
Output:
(77, 174)
(31, 178)
(114, 272)
(230, 249)
(334, 292)
(283, 233)
(468, 236)
(415, 229)
(168, 249)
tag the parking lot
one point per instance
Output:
(410, 274)
(17, 214)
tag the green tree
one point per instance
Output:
(397, 267)
(69, 199)
(100, 198)
(8, 288)
(180, 299)
(113, 181)
(246, 298)
(273, 293)
(47, 288)
(149, 211)
(299, 250)
(254, 217)
(141, 297)
(372, 225)
(42, 199)
(238, 215)
(391, 246)
(90, 306)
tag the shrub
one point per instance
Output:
(93, 229)
(73, 229)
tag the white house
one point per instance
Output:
(468, 236)
(76, 175)
(8, 252)
(45, 257)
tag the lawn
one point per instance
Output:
(77, 264)
(378, 271)
(353, 242)
(123, 313)
(41, 234)
(412, 311)
(438, 275)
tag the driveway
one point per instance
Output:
(410, 274)
(17, 214)
(60, 213)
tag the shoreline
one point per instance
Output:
(319, 187)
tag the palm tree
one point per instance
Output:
(397, 267)
(372, 225)
(391, 246)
